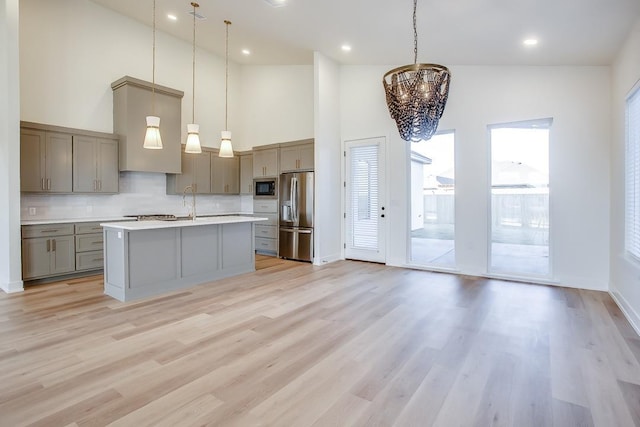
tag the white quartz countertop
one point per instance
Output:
(73, 220)
(150, 225)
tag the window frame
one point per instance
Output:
(632, 173)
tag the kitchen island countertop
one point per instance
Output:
(154, 224)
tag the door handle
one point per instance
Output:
(53, 245)
(42, 184)
(48, 184)
(48, 245)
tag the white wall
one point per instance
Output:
(625, 272)
(328, 200)
(72, 50)
(277, 104)
(10, 261)
(577, 98)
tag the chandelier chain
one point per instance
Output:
(415, 33)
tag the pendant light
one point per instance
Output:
(226, 150)
(152, 138)
(417, 94)
(193, 134)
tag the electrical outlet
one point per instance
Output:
(32, 211)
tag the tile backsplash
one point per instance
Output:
(140, 193)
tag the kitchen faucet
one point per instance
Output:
(193, 203)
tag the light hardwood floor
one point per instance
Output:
(347, 344)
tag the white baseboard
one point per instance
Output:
(327, 259)
(12, 287)
(627, 310)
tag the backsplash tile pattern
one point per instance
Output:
(140, 193)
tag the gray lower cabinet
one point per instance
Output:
(141, 263)
(89, 246)
(266, 238)
(50, 250)
(47, 250)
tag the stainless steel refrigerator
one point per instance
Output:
(296, 216)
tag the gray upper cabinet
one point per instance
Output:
(196, 172)
(296, 157)
(132, 102)
(246, 173)
(95, 165)
(45, 161)
(265, 162)
(207, 173)
(225, 175)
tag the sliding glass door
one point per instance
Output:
(432, 202)
(519, 229)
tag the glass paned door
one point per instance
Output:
(520, 199)
(433, 202)
(365, 210)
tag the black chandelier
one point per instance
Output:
(417, 94)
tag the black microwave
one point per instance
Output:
(265, 187)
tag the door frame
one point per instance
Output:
(382, 196)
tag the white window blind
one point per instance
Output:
(632, 174)
(364, 197)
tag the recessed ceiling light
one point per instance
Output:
(530, 42)
(246, 52)
(172, 17)
(346, 48)
(276, 3)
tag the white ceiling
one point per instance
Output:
(451, 32)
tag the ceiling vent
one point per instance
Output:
(276, 3)
(197, 15)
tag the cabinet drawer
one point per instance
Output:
(268, 205)
(89, 260)
(266, 231)
(46, 230)
(89, 242)
(88, 227)
(272, 219)
(264, 244)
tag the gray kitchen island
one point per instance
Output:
(148, 258)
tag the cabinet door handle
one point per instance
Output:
(48, 245)
(95, 186)
(48, 184)
(100, 184)
(42, 184)
(53, 245)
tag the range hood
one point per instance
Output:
(131, 104)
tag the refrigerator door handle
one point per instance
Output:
(295, 230)
(294, 200)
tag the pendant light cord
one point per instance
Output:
(415, 33)
(226, 75)
(153, 68)
(193, 77)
